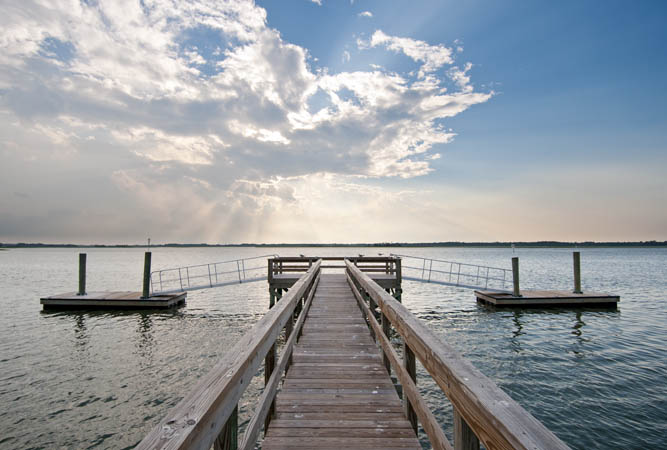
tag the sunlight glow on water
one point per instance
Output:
(596, 378)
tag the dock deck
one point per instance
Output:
(328, 385)
(536, 299)
(112, 300)
(337, 392)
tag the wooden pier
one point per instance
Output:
(537, 299)
(112, 300)
(329, 387)
(337, 392)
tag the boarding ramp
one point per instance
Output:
(203, 276)
(452, 273)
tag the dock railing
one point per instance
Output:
(280, 265)
(482, 411)
(452, 273)
(202, 276)
(208, 415)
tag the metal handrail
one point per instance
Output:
(202, 276)
(458, 274)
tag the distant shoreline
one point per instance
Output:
(537, 244)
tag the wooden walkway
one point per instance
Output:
(337, 392)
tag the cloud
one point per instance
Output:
(318, 2)
(433, 57)
(365, 14)
(200, 110)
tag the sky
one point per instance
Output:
(332, 121)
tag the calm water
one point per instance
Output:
(598, 379)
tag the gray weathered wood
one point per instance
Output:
(386, 330)
(497, 420)
(337, 393)
(82, 274)
(198, 419)
(515, 277)
(576, 257)
(145, 292)
(410, 366)
(464, 438)
(271, 387)
(228, 439)
(410, 391)
(269, 365)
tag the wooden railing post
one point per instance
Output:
(577, 272)
(289, 327)
(228, 439)
(515, 276)
(269, 365)
(410, 365)
(386, 330)
(464, 437)
(82, 274)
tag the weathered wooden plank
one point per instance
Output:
(429, 423)
(337, 391)
(266, 403)
(336, 432)
(345, 424)
(339, 442)
(368, 415)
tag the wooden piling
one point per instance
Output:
(145, 293)
(515, 276)
(577, 272)
(82, 274)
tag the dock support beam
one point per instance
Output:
(515, 276)
(577, 272)
(82, 274)
(145, 293)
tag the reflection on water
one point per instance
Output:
(80, 333)
(594, 377)
(145, 341)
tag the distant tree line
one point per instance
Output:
(555, 244)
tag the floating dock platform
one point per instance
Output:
(112, 300)
(536, 299)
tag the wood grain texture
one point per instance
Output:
(337, 393)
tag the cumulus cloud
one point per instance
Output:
(365, 14)
(201, 108)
